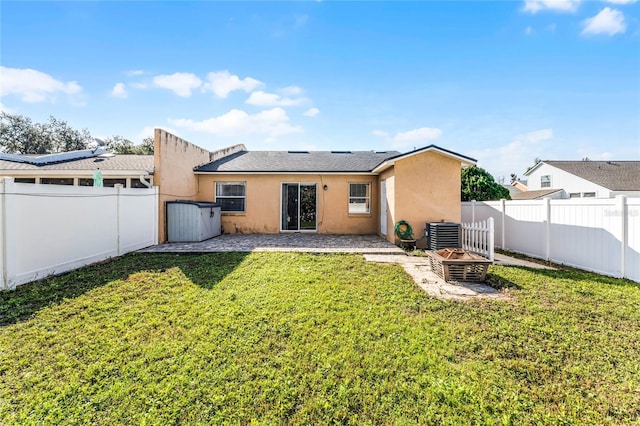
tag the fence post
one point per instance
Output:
(502, 224)
(156, 203)
(473, 211)
(547, 229)
(490, 241)
(118, 187)
(622, 207)
(3, 236)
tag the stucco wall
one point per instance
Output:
(426, 189)
(263, 203)
(388, 177)
(174, 160)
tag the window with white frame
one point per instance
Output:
(574, 195)
(231, 196)
(545, 181)
(589, 194)
(359, 198)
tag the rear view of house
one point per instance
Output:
(329, 192)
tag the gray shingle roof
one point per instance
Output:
(298, 161)
(118, 162)
(613, 175)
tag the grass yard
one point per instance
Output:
(314, 339)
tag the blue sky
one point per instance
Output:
(503, 82)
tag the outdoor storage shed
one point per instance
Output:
(189, 221)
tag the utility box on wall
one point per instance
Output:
(191, 221)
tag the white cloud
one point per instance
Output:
(34, 86)
(409, 138)
(221, 83)
(528, 31)
(261, 98)
(181, 83)
(421, 135)
(534, 6)
(534, 137)
(517, 155)
(311, 112)
(134, 73)
(621, 1)
(291, 91)
(608, 21)
(139, 85)
(271, 123)
(119, 91)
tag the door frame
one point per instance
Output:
(281, 207)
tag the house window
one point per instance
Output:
(56, 181)
(359, 198)
(574, 195)
(589, 194)
(231, 196)
(545, 181)
(25, 180)
(113, 182)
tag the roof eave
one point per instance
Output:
(464, 160)
(283, 172)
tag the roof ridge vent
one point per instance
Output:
(298, 152)
(341, 152)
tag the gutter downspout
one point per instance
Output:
(148, 184)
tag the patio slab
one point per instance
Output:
(419, 268)
(294, 242)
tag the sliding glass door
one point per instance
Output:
(298, 207)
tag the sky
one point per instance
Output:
(504, 82)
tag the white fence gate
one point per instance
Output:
(599, 235)
(478, 237)
(50, 229)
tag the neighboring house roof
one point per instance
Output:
(138, 163)
(297, 161)
(613, 175)
(512, 190)
(534, 195)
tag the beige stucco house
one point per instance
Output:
(330, 192)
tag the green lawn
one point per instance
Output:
(314, 339)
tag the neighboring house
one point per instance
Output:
(539, 194)
(77, 168)
(513, 190)
(588, 179)
(332, 192)
(520, 185)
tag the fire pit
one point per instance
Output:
(456, 264)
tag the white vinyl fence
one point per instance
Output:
(50, 229)
(599, 235)
(478, 237)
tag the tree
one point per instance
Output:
(477, 184)
(120, 145)
(19, 135)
